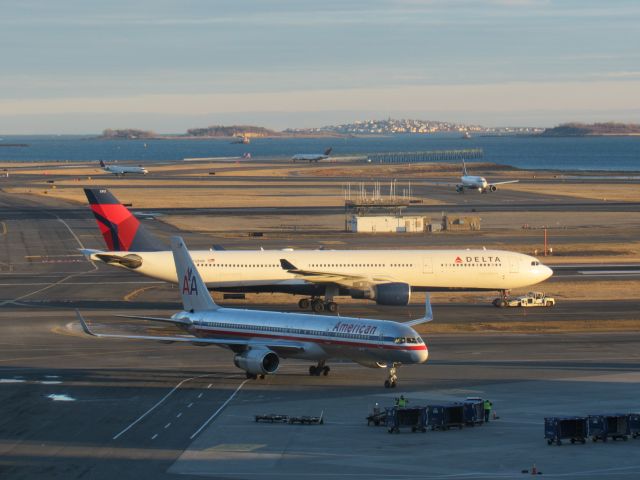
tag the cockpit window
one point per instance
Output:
(535, 263)
(408, 340)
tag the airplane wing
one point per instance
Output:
(428, 314)
(282, 347)
(318, 276)
(175, 321)
(503, 183)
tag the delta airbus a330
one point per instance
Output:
(259, 339)
(386, 276)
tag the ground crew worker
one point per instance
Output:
(402, 402)
(487, 410)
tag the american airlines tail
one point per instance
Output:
(195, 296)
(102, 164)
(327, 152)
(120, 229)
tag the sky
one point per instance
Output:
(80, 66)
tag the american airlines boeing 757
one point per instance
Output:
(259, 339)
(386, 276)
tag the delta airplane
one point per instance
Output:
(121, 171)
(386, 276)
(259, 339)
(312, 157)
(473, 182)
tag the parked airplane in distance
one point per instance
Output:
(473, 182)
(259, 339)
(386, 276)
(121, 171)
(312, 157)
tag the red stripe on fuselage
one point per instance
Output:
(321, 340)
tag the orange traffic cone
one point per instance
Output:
(534, 470)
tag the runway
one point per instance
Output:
(80, 407)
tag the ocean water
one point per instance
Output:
(587, 153)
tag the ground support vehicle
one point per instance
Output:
(603, 427)
(272, 418)
(377, 417)
(473, 412)
(557, 429)
(634, 424)
(444, 417)
(531, 299)
(411, 417)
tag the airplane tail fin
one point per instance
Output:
(464, 168)
(327, 152)
(195, 296)
(120, 229)
(102, 164)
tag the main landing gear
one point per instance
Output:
(317, 305)
(320, 369)
(392, 380)
(502, 300)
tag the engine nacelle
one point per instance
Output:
(396, 293)
(371, 364)
(257, 361)
(493, 188)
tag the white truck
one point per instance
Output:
(532, 299)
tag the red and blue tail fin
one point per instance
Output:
(121, 230)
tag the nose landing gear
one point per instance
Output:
(392, 379)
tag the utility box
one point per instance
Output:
(385, 224)
(456, 223)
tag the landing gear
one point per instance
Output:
(501, 301)
(304, 303)
(331, 307)
(317, 305)
(392, 380)
(251, 376)
(320, 369)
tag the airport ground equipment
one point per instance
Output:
(473, 412)
(272, 418)
(531, 299)
(634, 424)
(378, 416)
(603, 427)
(302, 420)
(557, 429)
(445, 416)
(410, 417)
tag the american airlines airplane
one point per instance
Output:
(259, 339)
(312, 157)
(386, 276)
(473, 182)
(121, 171)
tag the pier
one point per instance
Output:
(426, 156)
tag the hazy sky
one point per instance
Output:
(79, 66)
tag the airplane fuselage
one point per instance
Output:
(474, 182)
(372, 343)
(422, 269)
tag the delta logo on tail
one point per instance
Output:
(189, 285)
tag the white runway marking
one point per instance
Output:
(154, 437)
(61, 398)
(217, 412)
(199, 395)
(11, 380)
(179, 415)
(190, 405)
(155, 406)
(167, 425)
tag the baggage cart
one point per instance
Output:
(377, 417)
(557, 429)
(272, 418)
(443, 417)
(603, 427)
(634, 424)
(307, 420)
(473, 411)
(410, 417)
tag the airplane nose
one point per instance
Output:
(419, 356)
(546, 272)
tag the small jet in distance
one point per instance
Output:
(474, 182)
(259, 339)
(312, 157)
(121, 171)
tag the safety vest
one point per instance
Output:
(402, 402)
(487, 405)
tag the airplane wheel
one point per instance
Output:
(331, 307)
(387, 384)
(313, 370)
(326, 370)
(317, 306)
(251, 376)
(304, 303)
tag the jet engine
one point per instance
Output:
(493, 188)
(396, 293)
(130, 260)
(257, 361)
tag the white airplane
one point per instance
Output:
(312, 157)
(259, 339)
(118, 170)
(473, 182)
(386, 276)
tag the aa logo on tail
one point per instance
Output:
(189, 285)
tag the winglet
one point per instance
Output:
(327, 152)
(428, 314)
(287, 265)
(84, 325)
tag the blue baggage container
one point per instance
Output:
(603, 427)
(634, 424)
(410, 417)
(473, 412)
(557, 429)
(443, 417)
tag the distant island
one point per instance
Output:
(594, 129)
(367, 127)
